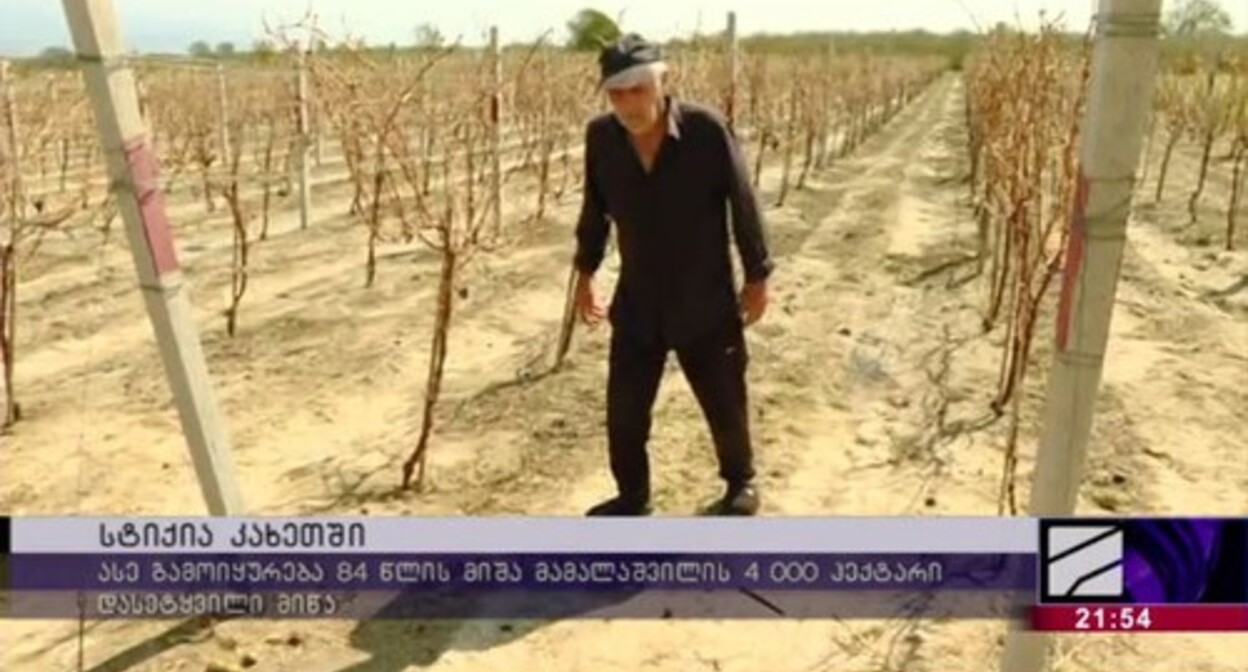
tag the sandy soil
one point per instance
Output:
(851, 369)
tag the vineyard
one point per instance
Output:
(378, 249)
(413, 151)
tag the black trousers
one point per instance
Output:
(715, 366)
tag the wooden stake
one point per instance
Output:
(132, 170)
(496, 135)
(825, 114)
(302, 135)
(223, 116)
(734, 65)
(9, 412)
(317, 120)
(8, 108)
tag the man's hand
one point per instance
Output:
(753, 301)
(586, 305)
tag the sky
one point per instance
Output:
(28, 26)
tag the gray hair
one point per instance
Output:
(637, 74)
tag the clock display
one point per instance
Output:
(1100, 619)
(1139, 618)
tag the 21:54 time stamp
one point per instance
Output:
(1109, 619)
(1140, 618)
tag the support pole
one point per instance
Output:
(302, 134)
(132, 168)
(730, 104)
(318, 137)
(223, 117)
(1124, 68)
(825, 115)
(496, 134)
(317, 120)
(16, 205)
(8, 108)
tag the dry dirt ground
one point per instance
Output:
(850, 368)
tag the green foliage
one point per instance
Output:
(957, 61)
(1196, 19)
(264, 51)
(51, 58)
(200, 49)
(53, 54)
(429, 37)
(590, 29)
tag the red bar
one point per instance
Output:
(1140, 618)
(145, 172)
(1074, 260)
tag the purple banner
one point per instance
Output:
(529, 572)
(513, 604)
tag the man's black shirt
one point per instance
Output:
(676, 280)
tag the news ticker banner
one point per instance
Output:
(1085, 574)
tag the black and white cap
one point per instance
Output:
(629, 61)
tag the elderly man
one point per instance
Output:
(666, 171)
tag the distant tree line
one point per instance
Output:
(1192, 30)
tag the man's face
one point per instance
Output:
(637, 107)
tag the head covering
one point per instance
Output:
(629, 61)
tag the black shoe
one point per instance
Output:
(740, 500)
(621, 506)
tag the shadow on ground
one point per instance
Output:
(184, 632)
(417, 630)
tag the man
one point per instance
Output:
(665, 171)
